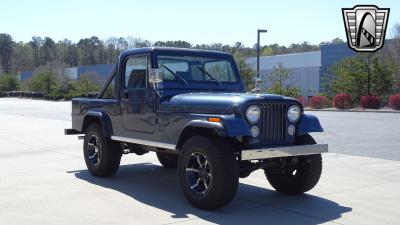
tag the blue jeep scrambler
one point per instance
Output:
(190, 107)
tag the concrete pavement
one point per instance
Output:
(43, 180)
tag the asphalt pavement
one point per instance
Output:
(43, 179)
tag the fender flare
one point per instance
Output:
(230, 126)
(217, 127)
(101, 116)
(308, 123)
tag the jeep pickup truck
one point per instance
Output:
(190, 107)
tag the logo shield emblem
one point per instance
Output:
(365, 27)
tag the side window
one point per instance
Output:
(136, 72)
(221, 70)
(109, 92)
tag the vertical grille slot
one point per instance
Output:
(273, 123)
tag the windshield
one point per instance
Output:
(196, 68)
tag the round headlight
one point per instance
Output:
(254, 131)
(253, 114)
(293, 113)
(291, 130)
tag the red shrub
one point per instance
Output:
(302, 100)
(370, 102)
(318, 102)
(342, 101)
(394, 101)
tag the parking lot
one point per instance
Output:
(43, 179)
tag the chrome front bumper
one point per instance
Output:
(275, 152)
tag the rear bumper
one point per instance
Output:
(71, 132)
(275, 152)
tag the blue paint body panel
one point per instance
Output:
(307, 124)
(235, 125)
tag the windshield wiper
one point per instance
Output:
(208, 74)
(176, 75)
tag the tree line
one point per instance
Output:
(41, 51)
(366, 74)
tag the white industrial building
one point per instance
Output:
(304, 70)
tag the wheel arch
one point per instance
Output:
(99, 117)
(199, 127)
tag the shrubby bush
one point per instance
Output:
(370, 102)
(8, 82)
(43, 80)
(343, 101)
(394, 101)
(302, 100)
(318, 102)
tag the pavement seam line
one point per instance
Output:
(363, 187)
(291, 211)
(39, 148)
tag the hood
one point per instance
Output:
(215, 103)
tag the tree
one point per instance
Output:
(247, 73)
(364, 74)
(36, 45)
(6, 47)
(22, 57)
(279, 79)
(44, 80)
(176, 44)
(89, 50)
(88, 82)
(8, 82)
(49, 49)
(383, 75)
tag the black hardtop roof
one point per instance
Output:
(134, 51)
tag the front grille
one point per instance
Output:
(274, 123)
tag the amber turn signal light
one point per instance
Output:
(214, 119)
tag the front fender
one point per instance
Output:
(308, 123)
(235, 125)
(230, 126)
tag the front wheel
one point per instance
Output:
(208, 172)
(297, 180)
(301, 177)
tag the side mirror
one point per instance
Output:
(155, 76)
(258, 84)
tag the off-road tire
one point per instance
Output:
(168, 160)
(110, 153)
(305, 177)
(223, 168)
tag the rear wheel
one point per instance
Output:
(298, 177)
(168, 160)
(208, 172)
(102, 155)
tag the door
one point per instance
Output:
(137, 97)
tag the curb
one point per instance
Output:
(352, 110)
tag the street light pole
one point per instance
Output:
(258, 55)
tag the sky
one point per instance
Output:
(195, 21)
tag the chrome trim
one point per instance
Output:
(144, 142)
(274, 152)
